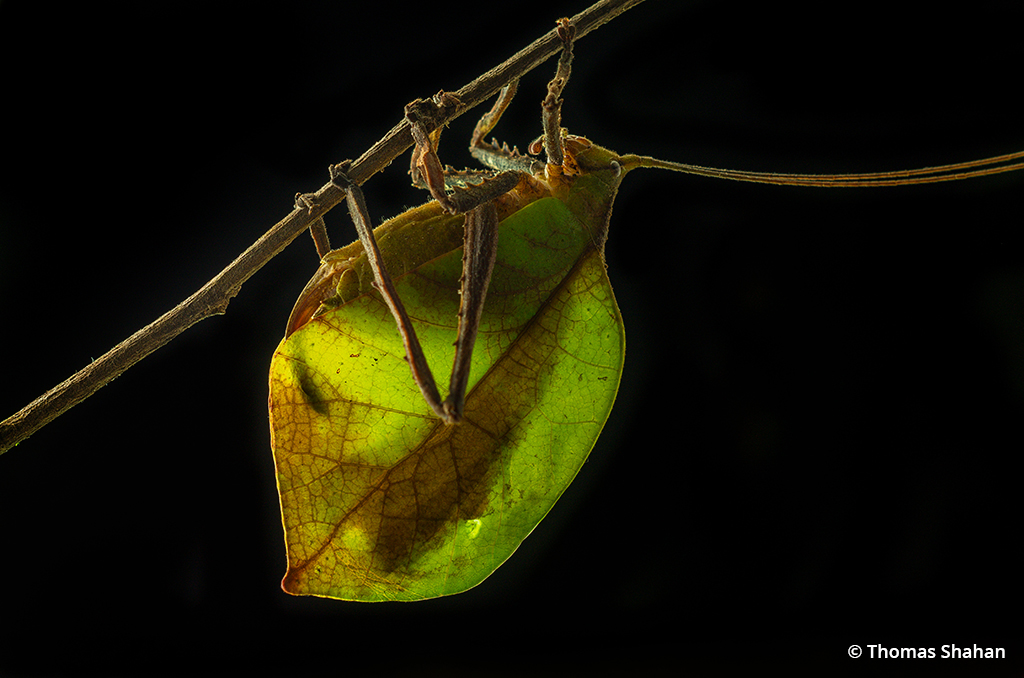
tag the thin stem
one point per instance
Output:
(214, 296)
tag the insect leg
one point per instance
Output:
(489, 119)
(478, 257)
(480, 248)
(421, 373)
(317, 229)
(425, 167)
(552, 104)
(490, 153)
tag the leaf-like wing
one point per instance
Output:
(383, 501)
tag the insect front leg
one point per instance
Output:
(493, 155)
(552, 104)
(503, 158)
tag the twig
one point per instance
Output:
(214, 296)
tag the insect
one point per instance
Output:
(817, 417)
(388, 490)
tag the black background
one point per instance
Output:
(815, 442)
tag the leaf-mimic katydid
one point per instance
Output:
(816, 425)
(388, 490)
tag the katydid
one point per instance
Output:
(390, 492)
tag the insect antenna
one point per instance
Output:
(926, 175)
